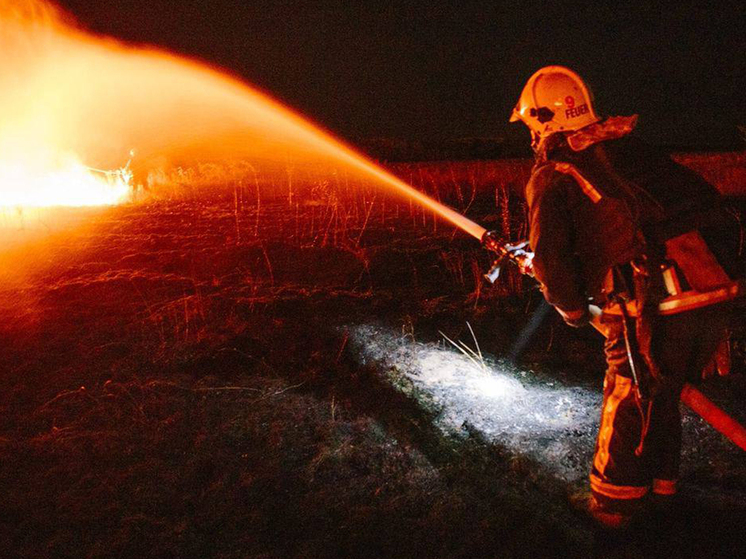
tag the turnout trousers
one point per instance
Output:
(639, 442)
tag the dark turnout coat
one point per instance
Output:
(599, 200)
(600, 197)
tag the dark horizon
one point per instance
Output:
(422, 71)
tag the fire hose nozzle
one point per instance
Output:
(494, 272)
(491, 240)
(520, 253)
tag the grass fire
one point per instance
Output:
(226, 333)
(67, 95)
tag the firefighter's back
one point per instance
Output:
(664, 199)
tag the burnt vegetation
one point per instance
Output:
(179, 382)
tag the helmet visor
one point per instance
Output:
(515, 116)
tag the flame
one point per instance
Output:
(42, 180)
(38, 165)
(70, 99)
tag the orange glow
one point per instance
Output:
(33, 180)
(69, 100)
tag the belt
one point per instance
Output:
(686, 301)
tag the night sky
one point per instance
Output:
(437, 69)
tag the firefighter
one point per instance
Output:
(618, 224)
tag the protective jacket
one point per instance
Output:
(618, 222)
(599, 198)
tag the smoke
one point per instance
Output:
(33, 13)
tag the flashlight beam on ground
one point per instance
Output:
(529, 414)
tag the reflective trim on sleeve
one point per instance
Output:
(664, 486)
(616, 491)
(622, 388)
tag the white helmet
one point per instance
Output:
(555, 99)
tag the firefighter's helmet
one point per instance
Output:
(555, 99)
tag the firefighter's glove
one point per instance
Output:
(526, 267)
(575, 318)
(522, 255)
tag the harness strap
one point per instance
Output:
(678, 300)
(588, 189)
(686, 301)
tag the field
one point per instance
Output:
(263, 368)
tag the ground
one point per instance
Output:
(212, 374)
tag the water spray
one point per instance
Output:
(372, 169)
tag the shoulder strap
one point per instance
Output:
(585, 185)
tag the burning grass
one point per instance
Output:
(184, 377)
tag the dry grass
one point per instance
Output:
(178, 384)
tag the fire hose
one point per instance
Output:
(520, 254)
